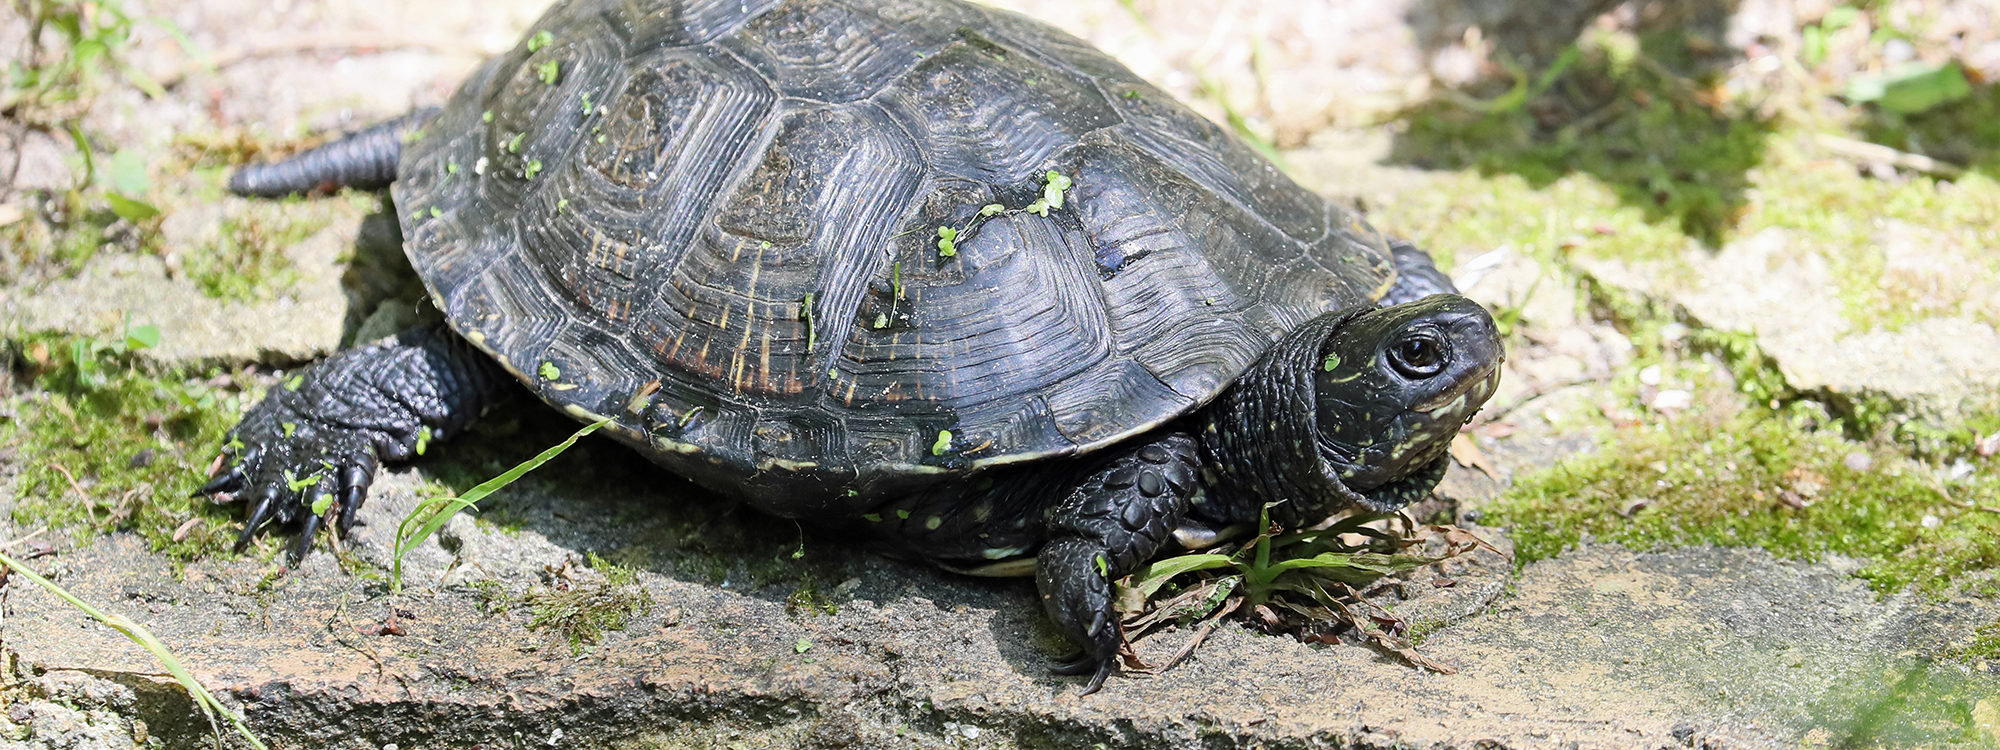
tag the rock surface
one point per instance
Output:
(302, 322)
(1600, 648)
(1939, 368)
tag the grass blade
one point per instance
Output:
(145, 639)
(431, 514)
(1157, 574)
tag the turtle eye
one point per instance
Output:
(1419, 355)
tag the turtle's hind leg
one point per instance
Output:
(364, 160)
(321, 433)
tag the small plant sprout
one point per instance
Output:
(296, 484)
(947, 244)
(943, 443)
(1291, 578)
(541, 39)
(431, 514)
(534, 167)
(549, 72)
(514, 143)
(1054, 184)
(549, 371)
(129, 181)
(84, 353)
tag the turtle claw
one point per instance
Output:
(304, 542)
(262, 512)
(229, 481)
(1097, 679)
(1075, 665)
(1085, 665)
(355, 477)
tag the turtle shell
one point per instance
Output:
(716, 223)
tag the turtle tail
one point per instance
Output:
(365, 161)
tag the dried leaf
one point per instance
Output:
(1465, 450)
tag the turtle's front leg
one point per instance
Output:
(322, 432)
(1109, 525)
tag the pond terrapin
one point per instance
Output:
(913, 266)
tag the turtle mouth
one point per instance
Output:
(1473, 392)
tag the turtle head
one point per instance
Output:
(1394, 384)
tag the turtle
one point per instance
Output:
(930, 271)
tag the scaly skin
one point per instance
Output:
(324, 431)
(364, 161)
(1265, 442)
(1108, 526)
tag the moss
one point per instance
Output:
(806, 599)
(1662, 143)
(1909, 705)
(1840, 216)
(1725, 475)
(1464, 213)
(61, 238)
(582, 606)
(249, 260)
(1984, 645)
(135, 445)
(493, 596)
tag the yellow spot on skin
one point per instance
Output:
(933, 523)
